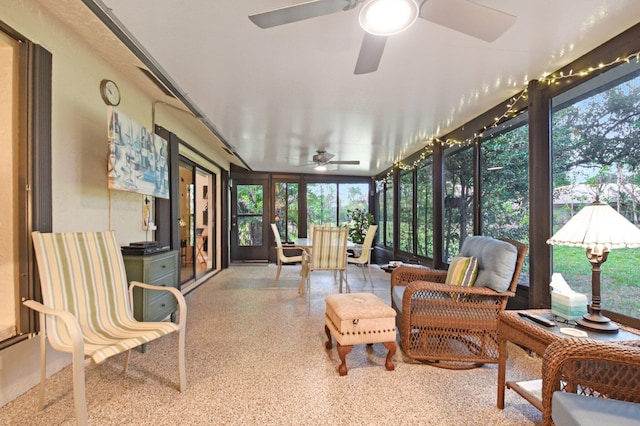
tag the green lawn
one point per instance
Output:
(620, 277)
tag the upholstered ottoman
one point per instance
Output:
(357, 319)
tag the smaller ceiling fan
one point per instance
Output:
(322, 158)
(465, 16)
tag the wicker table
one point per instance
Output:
(524, 332)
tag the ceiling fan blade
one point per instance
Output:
(298, 12)
(370, 53)
(352, 162)
(468, 17)
(322, 156)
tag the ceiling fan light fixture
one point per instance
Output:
(388, 17)
(320, 168)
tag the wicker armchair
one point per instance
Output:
(452, 326)
(591, 368)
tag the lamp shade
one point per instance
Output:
(597, 225)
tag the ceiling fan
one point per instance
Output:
(465, 16)
(322, 158)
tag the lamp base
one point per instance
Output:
(597, 322)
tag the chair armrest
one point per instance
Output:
(597, 368)
(70, 321)
(417, 286)
(182, 304)
(403, 275)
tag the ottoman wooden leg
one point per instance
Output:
(328, 345)
(391, 346)
(342, 353)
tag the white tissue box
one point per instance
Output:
(568, 306)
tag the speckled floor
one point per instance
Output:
(255, 356)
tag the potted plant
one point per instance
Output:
(360, 220)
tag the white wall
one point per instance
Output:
(81, 199)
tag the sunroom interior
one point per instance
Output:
(513, 160)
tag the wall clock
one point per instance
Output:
(110, 92)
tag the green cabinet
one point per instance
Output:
(159, 269)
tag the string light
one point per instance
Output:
(509, 113)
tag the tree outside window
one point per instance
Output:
(405, 203)
(504, 178)
(424, 209)
(458, 202)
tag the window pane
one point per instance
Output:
(405, 204)
(389, 215)
(249, 231)
(352, 196)
(504, 178)
(596, 129)
(249, 199)
(249, 208)
(322, 203)
(505, 185)
(286, 210)
(381, 221)
(424, 209)
(458, 211)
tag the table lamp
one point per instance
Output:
(598, 228)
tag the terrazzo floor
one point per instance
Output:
(255, 356)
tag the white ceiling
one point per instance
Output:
(276, 95)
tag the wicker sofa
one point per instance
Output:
(453, 326)
(591, 369)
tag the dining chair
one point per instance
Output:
(365, 254)
(282, 258)
(87, 309)
(328, 253)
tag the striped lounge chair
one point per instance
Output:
(87, 307)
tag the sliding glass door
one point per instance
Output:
(197, 227)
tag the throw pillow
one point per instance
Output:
(496, 261)
(462, 271)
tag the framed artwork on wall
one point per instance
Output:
(137, 158)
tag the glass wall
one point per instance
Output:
(458, 201)
(327, 203)
(405, 216)
(286, 210)
(352, 196)
(596, 153)
(504, 177)
(388, 214)
(380, 187)
(424, 209)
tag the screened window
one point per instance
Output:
(458, 202)
(388, 215)
(352, 196)
(504, 178)
(322, 203)
(380, 186)
(286, 210)
(405, 203)
(250, 205)
(327, 203)
(424, 209)
(596, 129)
